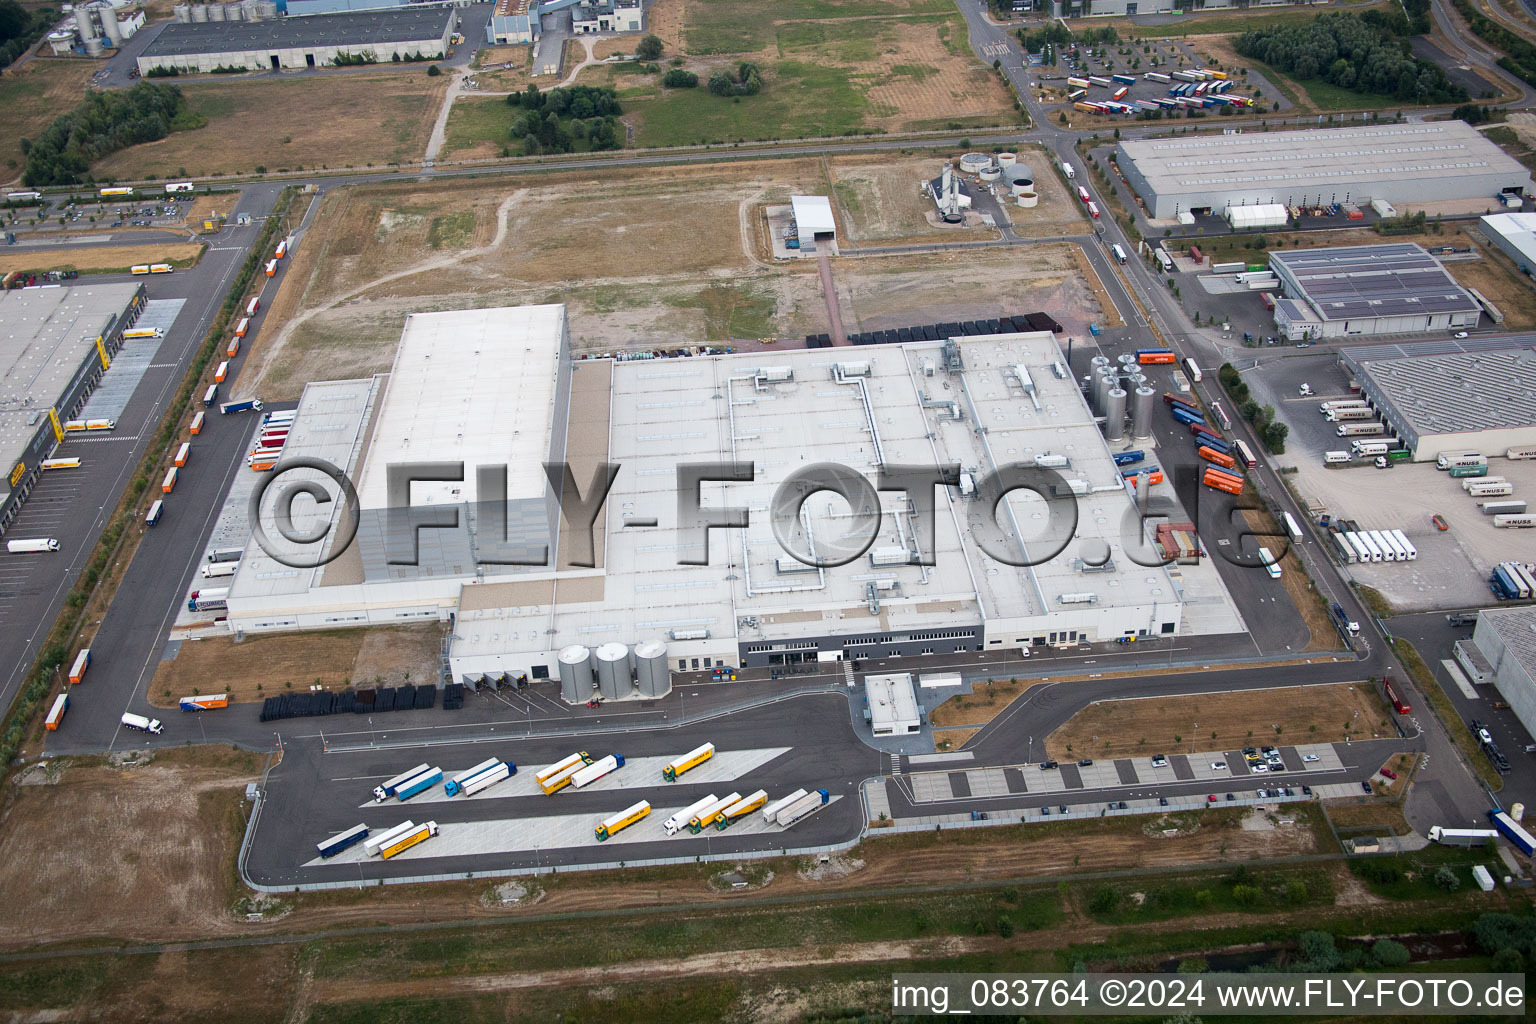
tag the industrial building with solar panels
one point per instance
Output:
(646, 590)
(1398, 163)
(1397, 288)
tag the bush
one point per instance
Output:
(1104, 900)
(433, 71)
(1352, 53)
(102, 124)
(677, 78)
(649, 49)
(1388, 953)
(748, 81)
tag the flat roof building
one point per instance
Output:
(892, 705)
(1455, 401)
(1513, 234)
(1399, 163)
(814, 223)
(514, 21)
(313, 41)
(56, 343)
(1396, 288)
(1507, 638)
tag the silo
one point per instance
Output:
(109, 27)
(215, 12)
(94, 47)
(234, 11)
(199, 12)
(576, 681)
(1124, 360)
(1102, 382)
(1114, 415)
(267, 9)
(252, 10)
(1098, 361)
(182, 13)
(85, 23)
(1007, 159)
(651, 670)
(1141, 413)
(613, 678)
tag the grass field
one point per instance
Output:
(31, 96)
(988, 700)
(349, 120)
(478, 126)
(1222, 721)
(100, 259)
(729, 27)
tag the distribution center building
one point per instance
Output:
(1439, 402)
(636, 581)
(1395, 288)
(57, 344)
(1513, 234)
(312, 41)
(1399, 163)
(1506, 637)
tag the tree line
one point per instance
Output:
(103, 123)
(1520, 55)
(20, 28)
(1346, 51)
(562, 119)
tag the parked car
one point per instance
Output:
(1085, 762)
(1218, 766)
(1389, 773)
(1162, 801)
(1159, 761)
(1310, 757)
(1211, 799)
(1046, 766)
(1231, 797)
(1306, 790)
(1366, 785)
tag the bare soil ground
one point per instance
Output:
(944, 85)
(1294, 714)
(285, 663)
(31, 97)
(1356, 816)
(494, 76)
(115, 259)
(882, 201)
(149, 849)
(368, 119)
(1059, 211)
(989, 700)
(952, 739)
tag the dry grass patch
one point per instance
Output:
(103, 259)
(1290, 714)
(31, 97)
(1358, 816)
(1495, 277)
(986, 702)
(369, 119)
(269, 666)
(952, 739)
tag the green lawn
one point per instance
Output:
(799, 100)
(729, 26)
(477, 119)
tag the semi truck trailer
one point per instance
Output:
(82, 662)
(1462, 836)
(29, 547)
(420, 784)
(812, 801)
(56, 713)
(611, 826)
(589, 774)
(679, 821)
(770, 812)
(342, 841)
(692, 759)
(741, 809)
(558, 775)
(703, 819)
(207, 703)
(405, 840)
(488, 778)
(374, 844)
(387, 790)
(456, 783)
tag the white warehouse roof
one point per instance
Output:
(1517, 231)
(813, 214)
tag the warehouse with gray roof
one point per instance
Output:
(421, 30)
(1482, 400)
(1396, 288)
(1506, 637)
(1399, 163)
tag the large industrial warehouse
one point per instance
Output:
(58, 341)
(315, 41)
(1506, 637)
(1482, 401)
(1400, 163)
(746, 602)
(1396, 288)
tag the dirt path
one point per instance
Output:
(440, 127)
(829, 291)
(588, 42)
(503, 216)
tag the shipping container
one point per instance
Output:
(1346, 549)
(81, 663)
(56, 713)
(1147, 356)
(183, 453)
(1212, 455)
(1186, 417)
(342, 840)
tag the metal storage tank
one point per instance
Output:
(85, 24)
(1126, 359)
(109, 27)
(251, 10)
(1006, 160)
(1114, 415)
(973, 163)
(234, 11)
(267, 8)
(1102, 382)
(182, 13)
(1098, 361)
(199, 12)
(651, 671)
(613, 678)
(576, 679)
(1141, 412)
(94, 47)
(216, 12)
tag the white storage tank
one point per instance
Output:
(182, 13)
(1006, 160)
(1114, 415)
(85, 24)
(651, 672)
(216, 12)
(990, 173)
(109, 26)
(576, 678)
(613, 677)
(1028, 200)
(267, 9)
(94, 47)
(1020, 179)
(975, 163)
(199, 12)
(1141, 413)
(234, 11)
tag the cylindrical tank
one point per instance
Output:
(651, 671)
(1517, 811)
(1125, 359)
(1007, 159)
(1098, 361)
(989, 173)
(252, 10)
(1028, 200)
(613, 678)
(973, 163)
(216, 12)
(1102, 382)
(1141, 412)
(199, 12)
(182, 13)
(234, 11)
(1114, 415)
(94, 47)
(109, 27)
(576, 679)
(85, 23)
(267, 9)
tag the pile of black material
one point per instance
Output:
(453, 697)
(358, 702)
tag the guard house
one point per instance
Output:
(814, 223)
(892, 705)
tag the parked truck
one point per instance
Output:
(557, 776)
(249, 405)
(29, 547)
(1345, 415)
(1359, 429)
(405, 840)
(741, 809)
(771, 812)
(204, 703)
(1462, 836)
(611, 826)
(208, 600)
(387, 790)
(342, 841)
(812, 801)
(1352, 628)
(420, 784)
(692, 759)
(1512, 830)
(82, 662)
(589, 774)
(1398, 704)
(706, 817)
(373, 844)
(56, 713)
(482, 777)
(679, 821)
(142, 724)
(454, 784)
